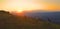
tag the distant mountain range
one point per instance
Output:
(53, 16)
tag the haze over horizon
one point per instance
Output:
(27, 5)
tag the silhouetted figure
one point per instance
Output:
(49, 24)
(49, 20)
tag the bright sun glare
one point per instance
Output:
(19, 6)
(28, 5)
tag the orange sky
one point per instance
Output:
(23, 5)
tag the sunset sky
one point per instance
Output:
(27, 5)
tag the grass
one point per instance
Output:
(26, 23)
(32, 23)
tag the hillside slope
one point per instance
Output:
(9, 21)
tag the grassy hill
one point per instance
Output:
(36, 23)
(9, 21)
(30, 23)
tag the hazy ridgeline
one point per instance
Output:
(9, 21)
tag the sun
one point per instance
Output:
(23, 5)
(19, 11)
